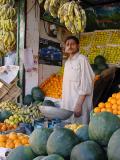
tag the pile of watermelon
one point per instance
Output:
(100, 140)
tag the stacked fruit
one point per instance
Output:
(7, 26)
(52, 87)
(20, 114)
(84, 51)
(115, 37)
(101, 38)
(86, 39)
(6, 127)
(112, 105)
(69, 13)
(74, 127)
(93, 52)
(112, 54)
(13, 140)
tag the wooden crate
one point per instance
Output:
(3, 90)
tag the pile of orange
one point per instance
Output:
(13, 140)
(6, 127)
(112, 105)
(52, 87)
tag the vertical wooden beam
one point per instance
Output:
(32, 41)
(21, 43)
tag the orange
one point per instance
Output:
(118, 112)
(115, 112)
(101, 105)
(118, 102)
(109, 99)
(113, 101)
(114, 95)
(97, 110)
(114, 106)
(2, 144)
(3, 138)
(10, 145)
(118, 96)
(17, 141)
(108, 105)
(103, 109)
(25, 141)
(13, 136)
(3, 128)
(109, 110)
(18, 144)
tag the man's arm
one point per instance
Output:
(78, 106)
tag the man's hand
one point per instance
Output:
(78, 111)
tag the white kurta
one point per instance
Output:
(78, 80)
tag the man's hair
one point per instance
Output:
(73, 38)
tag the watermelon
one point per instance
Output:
(38, 140)
(48, 103)
(82, 133)
(113, 149)
(37, 94)
(61, 142)
(88, 150)
(21, 153)
(5, 115)
(39, 158)
(53, 157)
(28, 99)
(99, 60)
(101, 127)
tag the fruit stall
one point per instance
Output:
(32, 125)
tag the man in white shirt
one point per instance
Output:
(78, 82)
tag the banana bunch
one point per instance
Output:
(52, 6)
(7, 25)
(2, 2)
(73, 16)
(7, 12)
(9, 40)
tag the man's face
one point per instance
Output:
(71, 47)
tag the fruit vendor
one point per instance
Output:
(78, 82)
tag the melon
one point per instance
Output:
(38, 140)
(101, 127)
(88, 150)
(82, 133)
(21, 153)
(61, 142)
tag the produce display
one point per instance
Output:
(113, 146)
(36, 96)
(19, 113)
(105, 43)
(13, 140)
(22, 153)
(7, 26)
(69, 13)
(112, 105)
(85, 150)
(38, 140)
(7, 127)
(52, 87)
(101, 132)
